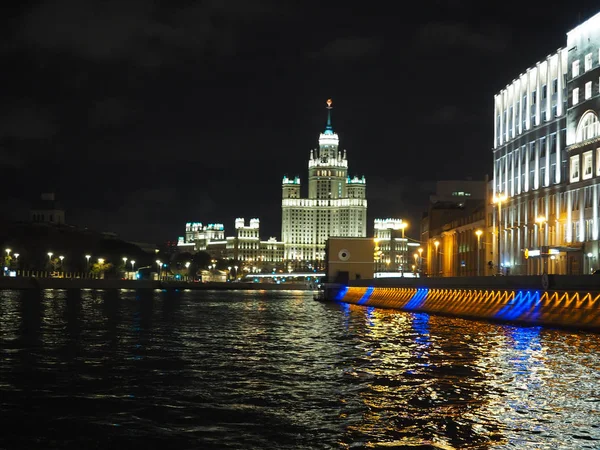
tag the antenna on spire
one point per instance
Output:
(328, 128)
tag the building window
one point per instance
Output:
(555, 86)
(544, 92)
(587, 165)
(575, 96)
(598, 162)
(588, 90)
(588, 62)
(588, 127)
(575, 69)
(574, 168)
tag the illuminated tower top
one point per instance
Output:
(329, 139)
(328, 128)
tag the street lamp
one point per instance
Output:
(16, 255)
(8, 250)
(159, 265)
(87, 262)
(437, 244)
(478, 233)
(540, 221)
(499, 199)
(50, 255)
(420, 250)
(61, 257)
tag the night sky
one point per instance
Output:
(144, 115)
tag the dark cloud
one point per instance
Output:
(450, 115)
(456, 35)
(349, 49)
(110, 112)
(26, 121)
(146, 33)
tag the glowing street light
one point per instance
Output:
(437, 244)
(540, 221)
(132, 262)
(499, 199)
(16, 255)
(159, 265)
(8, 250)
(478, 233)
(61, 257)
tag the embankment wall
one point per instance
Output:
(572, 302)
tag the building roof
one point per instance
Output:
(47, 202)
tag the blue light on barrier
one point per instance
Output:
(524, 302)
(365, 298)
(340, 294)
(417, 299)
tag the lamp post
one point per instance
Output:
(420, 260)
(132, 262)
(478, 233)
(101, 267)
(87, 263)
(540, 221)
(159, 265)
(499, 199)
(61, 257)
(437, 244)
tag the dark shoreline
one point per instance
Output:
(20, 283)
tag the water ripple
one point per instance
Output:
(108, 369)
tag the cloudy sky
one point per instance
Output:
(142, 115)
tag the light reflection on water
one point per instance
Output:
(278, 370)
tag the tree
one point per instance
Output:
(100, 268)
(181, 264)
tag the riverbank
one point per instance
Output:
(555, 300)
(90, 283)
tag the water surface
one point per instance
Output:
(277, 370)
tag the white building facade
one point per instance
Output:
(547, 161)
(336, 205)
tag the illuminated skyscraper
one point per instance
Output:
(336, 204)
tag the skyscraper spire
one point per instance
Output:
(328, 128)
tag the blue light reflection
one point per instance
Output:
(524, 302)
(417, 299)
(365, 298)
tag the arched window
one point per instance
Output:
(588, 127)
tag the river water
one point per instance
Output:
(277, 370)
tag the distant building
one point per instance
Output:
(336, 204)
(449, 230)
(245, 246)
(47, 210)
(391, 247)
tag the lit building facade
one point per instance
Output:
(245, 246)
(546, 161)
(336, 204)
(391, 246)
(453, 231)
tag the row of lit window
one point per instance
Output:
(587, 92)
(587, 166)
(587, 64)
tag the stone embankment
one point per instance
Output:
(91, 283)
(559, 301)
